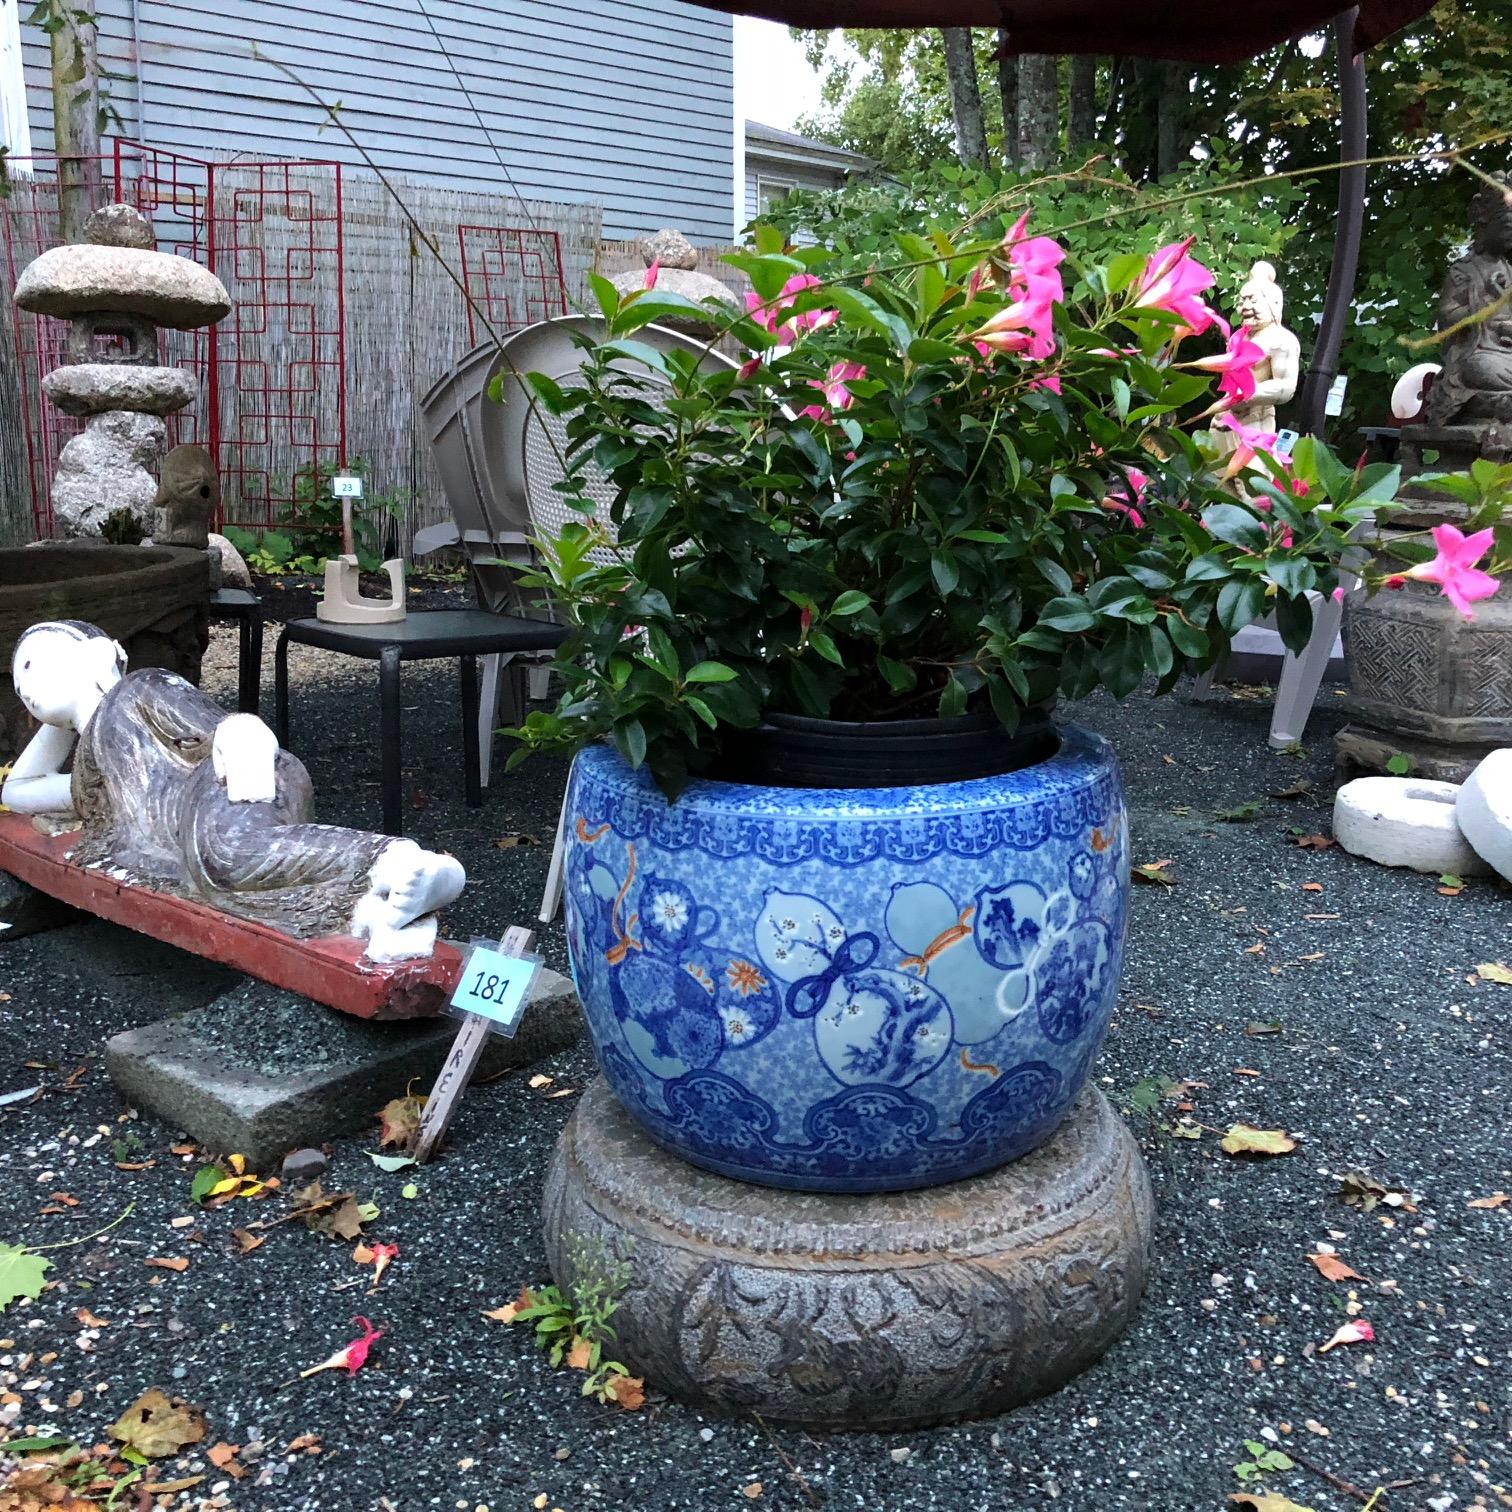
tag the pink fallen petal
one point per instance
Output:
(653, 272)
(354, 1356)
(1358, 1331)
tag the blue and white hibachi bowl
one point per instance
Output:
(849, 990)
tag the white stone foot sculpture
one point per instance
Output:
(1484, 810)
(1404, 821)
(397, 915)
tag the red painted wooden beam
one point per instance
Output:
(329, 970)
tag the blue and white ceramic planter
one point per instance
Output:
(849, 990)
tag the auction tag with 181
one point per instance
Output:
(495, 986)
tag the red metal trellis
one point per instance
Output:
(273, 392)
(513, 274)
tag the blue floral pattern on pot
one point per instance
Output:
(849, 990)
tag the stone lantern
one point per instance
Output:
(677, 273)
(116, 291)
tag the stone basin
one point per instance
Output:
(153, 599)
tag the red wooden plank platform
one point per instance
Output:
(329, 970)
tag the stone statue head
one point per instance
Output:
(1491, 219)
(1260, 300)
(60, 666)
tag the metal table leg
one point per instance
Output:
(389, 738)
(470, 744)
(281, 688)
(249, 693)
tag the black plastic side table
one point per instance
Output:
(422, 635)
(246, 608)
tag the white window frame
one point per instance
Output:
(766, 180)
(15, 127)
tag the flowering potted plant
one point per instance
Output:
(845, 907)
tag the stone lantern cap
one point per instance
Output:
(677, 260)
(115, 270)
(93, 388)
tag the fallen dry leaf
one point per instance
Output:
(752, 1492)
(337, 1215)
(89, 1320)
(223, 1457)
(247, 1242)
(1364, 1192)
(580, 1356)
(1495, 1200)
(400, 1122)
(510, 841)
(1357, 1331)
(538, 1081)
(1312, 842)
(1267, 1501)
(1494, 971)
(1246, 1139)
(1331, 1268)
(157, 1425)
(1312, 887)
(1155, 871)
(306, 1443)
(168, 1263)
(512, 1310)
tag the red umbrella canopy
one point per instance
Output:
(1196, 31)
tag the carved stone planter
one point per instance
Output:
(154, 600)
(1426, 683)
(879, 1312)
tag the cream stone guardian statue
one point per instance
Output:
(1259, 308)
(170, 792)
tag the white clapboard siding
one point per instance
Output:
(627, 104)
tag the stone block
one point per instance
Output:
(77, 279)
(104, 468)
(92, 388)
(261, 1071)
(886, 1311)
(1483, 810)
(1404, 821)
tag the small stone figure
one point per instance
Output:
(188, 495)
(115, 292)
(1473, 393)
(172, 793)
(1259, 309)
(676, 260)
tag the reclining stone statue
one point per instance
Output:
(171, 793)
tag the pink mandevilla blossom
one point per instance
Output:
(767, 313)
(354, 1356)
(1235, 366)
(1119, 502)
(653, 272)
(1454, 569)
(1251, 440)
(833, 384)
(1025, 327)
(1172, 281)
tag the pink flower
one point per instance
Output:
(1051, 381)
(767, 313)
(833, 384)
(354, 1356)
(1025, 327)
(1357, 1331)
(1454, 569)
(652, 273)
(1119, 502)
(1171, 281)
(1251, 440)
(749, 368)
(1235, 366)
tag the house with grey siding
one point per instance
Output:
(778, 162)
(628, 104)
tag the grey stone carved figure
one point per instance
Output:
(1474, 390)
(171, 792)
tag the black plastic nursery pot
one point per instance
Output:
(793, 750)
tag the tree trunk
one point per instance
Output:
(76, 112)
(1039, 109)
(1169, 147)
(965, 96)
(1007, 72)
(1081, 104)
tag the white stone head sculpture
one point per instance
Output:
(245, 752)
(1260, 300)
(61, 669)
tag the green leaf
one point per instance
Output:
(22, 1273)
(710, 672)
(409, 1192)
(206, 1179)
(1240, 603)
(825, 647)
(1399, 765)
(946, 573)
(391, 1162)
(1234, 524)
(630, 739)
(852, 601)
(1067, 614)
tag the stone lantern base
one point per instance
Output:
(879, 1312)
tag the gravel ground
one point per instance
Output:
(1389, 1057)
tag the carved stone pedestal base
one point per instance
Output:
(880, 1312)
(1362, 748)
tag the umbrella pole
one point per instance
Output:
(1346, 254)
